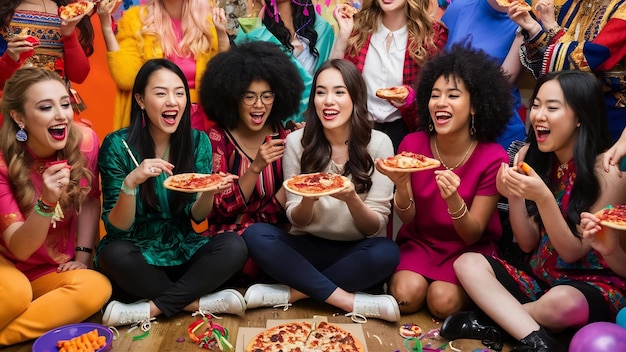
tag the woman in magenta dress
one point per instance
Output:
(464, 103)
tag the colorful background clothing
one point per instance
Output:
(476, 21)
(548, 268)
(165, 239)
(231, 211)
(252, 29)
(55, 52)
(58, 248)
(593, 41)
(134, 52)
(410, 71)
(429, 244)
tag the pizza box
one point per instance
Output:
(245, 334)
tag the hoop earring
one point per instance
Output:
(143, 118)
(431, 127)
(21, 135)
(472, 127)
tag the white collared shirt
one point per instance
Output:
(384, 69)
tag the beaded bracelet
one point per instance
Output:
(44, 207)
(411, 202)
(127, 190)
(44, 213)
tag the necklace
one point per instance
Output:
(460, 161)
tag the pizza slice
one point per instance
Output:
(328, 337)
(613, 216)
(410, 162)
(192, 182)
(75, 9)
(396, 93)
(522, 4)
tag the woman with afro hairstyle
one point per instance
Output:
(464, 103)
(337, 244)
(248, 105)
(306, 37)
(63, 46)
(399, 36)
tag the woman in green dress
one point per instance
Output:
(151, 252)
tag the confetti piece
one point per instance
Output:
(180, 339)
(378, 338)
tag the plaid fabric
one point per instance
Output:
(410, 71)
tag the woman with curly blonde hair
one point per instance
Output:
(49, 209)
(187, 32)
(401, 36)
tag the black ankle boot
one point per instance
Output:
(538, 341)
(472, 325)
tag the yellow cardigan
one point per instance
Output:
(134, 52)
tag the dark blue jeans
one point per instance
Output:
(316, 266)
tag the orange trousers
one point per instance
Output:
(29, 309)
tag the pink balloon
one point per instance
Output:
(599, 337)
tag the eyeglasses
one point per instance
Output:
(250, 99)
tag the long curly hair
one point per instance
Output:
(195, 25)
(419, 26)
(317, 149)
(181, 141)
(20, 162)
(489, 89)
(85, 28)
(583, 94)
(304, 25)
(221, 87)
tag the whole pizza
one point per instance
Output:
(192, 182)
(410, 162)
(316, 184)
(300, 336)
(75, 9)
(613, 216)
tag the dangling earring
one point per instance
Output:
(21, 135)
(431, 127)
(143, 118)
(472, 128)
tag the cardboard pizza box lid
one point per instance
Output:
(245, 334)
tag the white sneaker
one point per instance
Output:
(226, 301)
(374, 306)
(118, 313)
(263, 295)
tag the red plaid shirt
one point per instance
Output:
(410, 71)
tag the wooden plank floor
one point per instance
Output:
(163, 336)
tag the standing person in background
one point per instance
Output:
(475, 22)
(450, 210)
(305, 36)
(566, 283)
(249, 104)
(336, 246)
(187, 32)
(151, 252)
(49, 206)
(399, 36)
(61, 46)
(580, 35)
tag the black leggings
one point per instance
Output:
(174, 287)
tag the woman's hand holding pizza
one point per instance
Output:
(68, 26)
(524, 19)
(347, 194)
(605, 240)
(398, 178)
(345, 20)
(511, 183)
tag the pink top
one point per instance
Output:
(59, 245)
(186, 64)
(429, 244)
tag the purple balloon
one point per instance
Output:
(599, 337)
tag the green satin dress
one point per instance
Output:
(165, 239)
